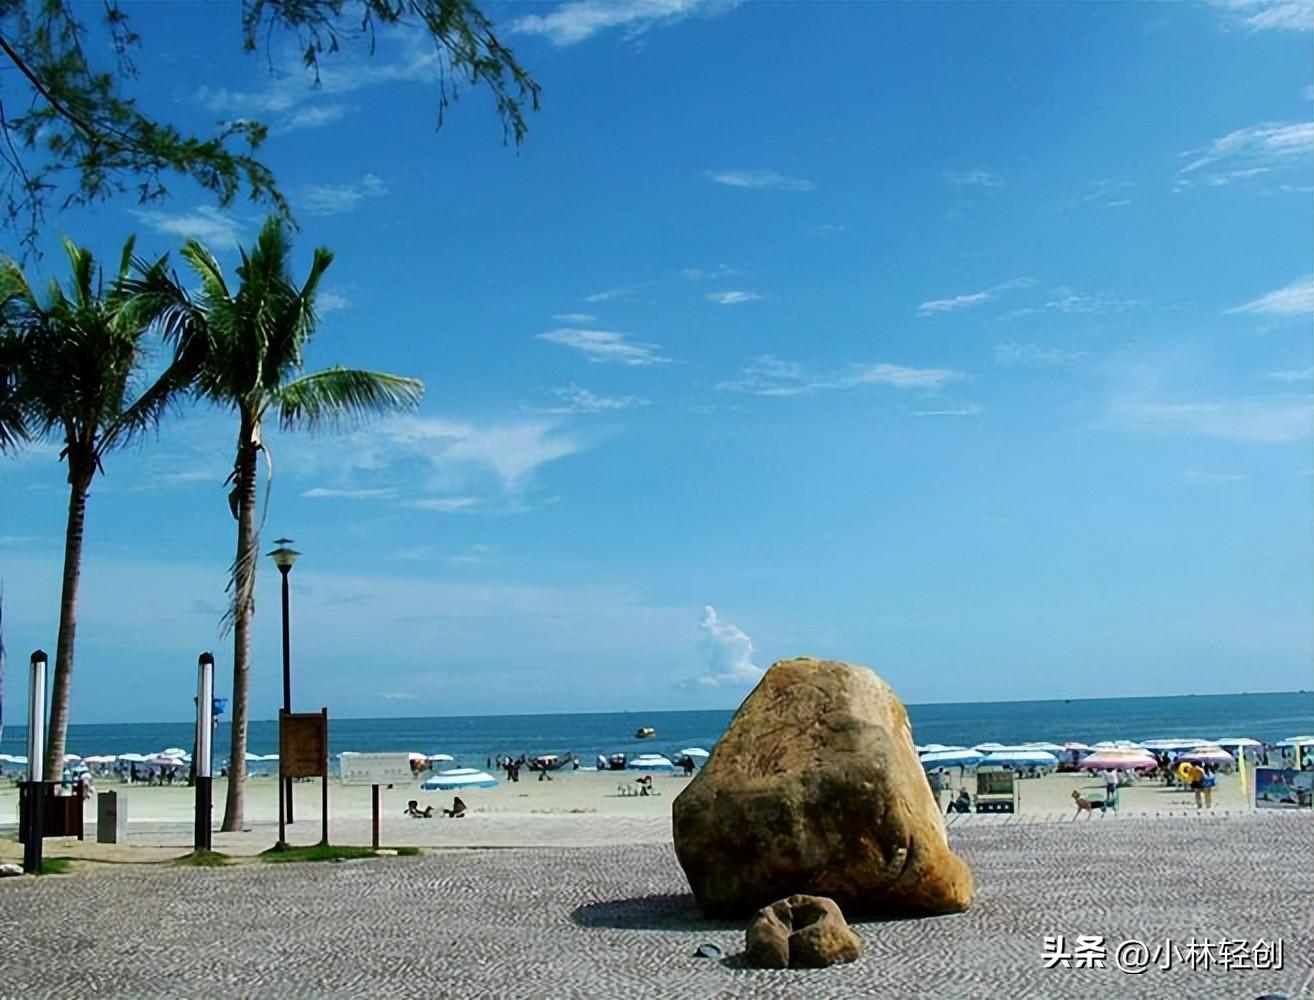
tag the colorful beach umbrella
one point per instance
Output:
(1208, 755)
(1119, 760)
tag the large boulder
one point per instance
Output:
(816, 788)
(805, 932)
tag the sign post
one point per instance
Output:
(302, 753)
(375, 769)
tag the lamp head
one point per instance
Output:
(284, 556)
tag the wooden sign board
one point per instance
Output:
(303, 744)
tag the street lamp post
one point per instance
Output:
(284, 556)
(34, 791)
(201, 755)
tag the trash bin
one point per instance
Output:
(111, 818)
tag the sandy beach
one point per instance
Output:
(574, 809)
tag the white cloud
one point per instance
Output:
(512, 450)
(574, 317)
(316, 116)
(327, 302)
(1013, 353)
(1193, 476)
(444, 505)
(580, 20)
(577, 400)
(327, 492)
(334, 199)
(970, 410)
(732, 298)
(759, 179)
(770, 376)
(605, 345)
(1295, 299)
(1262, 421)
(1067, 301)
(614, 293)
(208, 224)
(968, 300)
(974, 179)
(1248, 152)
(729, 653)
(1293, 375)
(1268, 15)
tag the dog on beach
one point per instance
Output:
(1085, 805)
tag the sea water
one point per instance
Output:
(472, 740)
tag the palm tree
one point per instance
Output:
(254, 343)
(68, 368)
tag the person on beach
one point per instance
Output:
(414, 811)
(645, 784)
(1110, 785)
(1208, 782)
(961, 804)
(457, 810)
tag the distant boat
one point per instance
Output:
(645, 733)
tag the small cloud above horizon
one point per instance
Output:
(733, 298)
(770, 376)
(579, 20)
(602, 346)
(970, 299)
(335, 199)
(767, 179)
(1294, 299)
(728, 651)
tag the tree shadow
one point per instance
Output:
(660, 912)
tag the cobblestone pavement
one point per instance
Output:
(617, 922)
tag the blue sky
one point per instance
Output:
(967, 342)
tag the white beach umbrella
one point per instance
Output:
(1173, 743)
(270, 756)
(250, 756)
(1042, 745)
(173, 752)
(988, 747)
(650, 762)
(13, 758)
(134, 758)
(441, 756)
(1020, 756)
(940, 748)
(1236, 741)
(952, 758)
(1075, 746)
(1116, 745)
(1296, 741)
(458, 778)
(1208, 755)
(71, 756)
(1119, 760)
(695, 752)
(104, 759)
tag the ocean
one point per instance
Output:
(473, 739)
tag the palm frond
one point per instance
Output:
(341, 396)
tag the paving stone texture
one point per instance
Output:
(617, 922)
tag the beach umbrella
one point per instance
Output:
(269, 756)
(1173, 744)
(694, 752)
(1047, 747)
(650, 762)
(1116, 745)
(174, 752)
(13, 758)
(1296, 741)
(441, 756)
(1208, 755)
(1075, 746)
(458, 778)
(1020, 757)
(952, 758)
(940, 748)
(106, 759)
(71, 756)
(1119, 760)
(987, 747)
(1236, 741)
(134, 758)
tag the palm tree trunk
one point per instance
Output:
(244, 589)
(80, 471)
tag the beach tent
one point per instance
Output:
(1119, 760)
(952, 758)
(1020, 757)
(650, 762)
(458, 778)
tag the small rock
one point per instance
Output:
(7, 870)
(807, 932)
(708, 951)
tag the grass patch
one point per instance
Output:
(328, 852)
(56, 866)
(203, 859)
